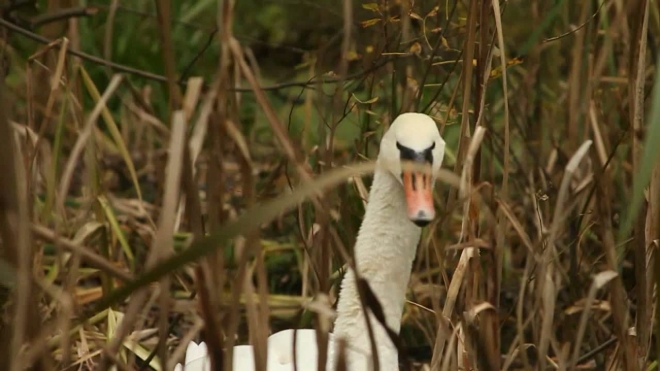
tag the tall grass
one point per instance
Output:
(195, 170)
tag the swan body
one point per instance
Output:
(280, 354)
(400, 202)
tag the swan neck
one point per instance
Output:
(387, 243)
(384, 251)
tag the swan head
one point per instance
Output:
(414, 137)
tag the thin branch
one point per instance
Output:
(64, 14)
(87, 254)
(597, 349)
(186, 71)
(160, 78)
(555, 38)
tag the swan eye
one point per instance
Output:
(432, 146)
(399, 146)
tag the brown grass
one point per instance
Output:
(130, 227)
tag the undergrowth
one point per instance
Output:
(162, 161)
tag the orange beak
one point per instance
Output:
(419, 197)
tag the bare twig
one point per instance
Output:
(160, 78)
(578, 28)
(63, 14)
(86, 254)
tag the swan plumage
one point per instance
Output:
(399, 203)
(280, 356)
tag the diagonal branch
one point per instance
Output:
(160, 78)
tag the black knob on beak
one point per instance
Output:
(422, 219)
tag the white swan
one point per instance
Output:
(400, 203)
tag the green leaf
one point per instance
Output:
(649, 158)
(116, 230)
(114, 131)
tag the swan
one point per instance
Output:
(400, 203)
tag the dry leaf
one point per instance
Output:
(497, 71)
(370, 22)
(372, 100)
(416, 48)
